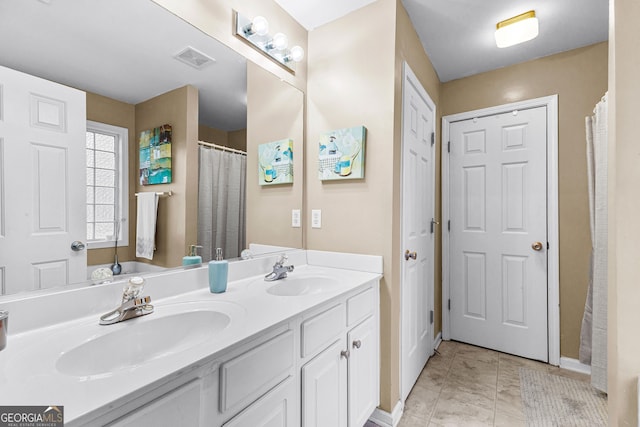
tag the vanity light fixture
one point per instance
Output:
(518, 29)
(256, 33)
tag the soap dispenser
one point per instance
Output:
(218, 271)
(193, 258)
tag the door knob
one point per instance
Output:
(357, 344)
(77, 246)
(345, 354)
(412, 255)
(536, 246)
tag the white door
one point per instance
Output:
(324, 388)
(418, 228)
(498, 232)
(363, 372)
(42, 182)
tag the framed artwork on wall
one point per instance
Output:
(155, 155)
(275, 162)
(341, 154)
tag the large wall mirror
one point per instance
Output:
(138, 64)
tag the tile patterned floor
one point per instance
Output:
(465, 385)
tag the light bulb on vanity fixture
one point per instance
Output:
(279, 42)
(518, 29)
(296, 54)
(259, 25)
(256, 33)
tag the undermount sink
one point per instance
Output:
(140, 340)
(302, 285)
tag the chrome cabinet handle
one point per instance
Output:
(408, 254)
(357, 344)
(77, 246)
(345, 354)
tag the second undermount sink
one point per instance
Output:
(141, 340)
(302, 285)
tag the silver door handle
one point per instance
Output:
(357, 344)
(345, 354)
(412, 255)
(77, 246)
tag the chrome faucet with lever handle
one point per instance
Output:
(133, 305)
(279, 269)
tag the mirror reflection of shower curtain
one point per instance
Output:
(221, 202)
(593, 337)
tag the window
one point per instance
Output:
(107, 185)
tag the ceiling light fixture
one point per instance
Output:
(256, 33)
(518, 29)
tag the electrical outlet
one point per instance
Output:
(316, 218)
(295, 218)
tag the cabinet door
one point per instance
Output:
(324, 394)
(363, 371)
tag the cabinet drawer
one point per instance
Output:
(274, 409)
(319, 331)
(245, 378)
(360, 306)
(178, 407)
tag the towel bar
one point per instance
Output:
(161, 193)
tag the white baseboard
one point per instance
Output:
(385, 419)
(437, 341)
(574, 365)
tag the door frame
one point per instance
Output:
(553, 253)
(408, 74)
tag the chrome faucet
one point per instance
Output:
(133, 305)
(279, 269)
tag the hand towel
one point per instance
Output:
(146, 225)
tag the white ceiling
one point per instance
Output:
(122, 49)
(458, 35)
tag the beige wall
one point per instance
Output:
(213, 135)
(624, 205)
(106, 110)
(176, 224)
(215, 17)
(350, 83)
(579, 77)
(236, 139)
(269, 207)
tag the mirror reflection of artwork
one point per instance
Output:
(155, 156)
(341, 154)
(275, 162)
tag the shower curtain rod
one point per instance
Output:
(222, 147)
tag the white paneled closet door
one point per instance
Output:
(498, 250)
(42, 182)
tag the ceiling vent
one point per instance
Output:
(194, 58)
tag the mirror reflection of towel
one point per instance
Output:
(146, 224)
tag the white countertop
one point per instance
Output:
(28, 372)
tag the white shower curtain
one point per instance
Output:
(221, 202)
(593, 338)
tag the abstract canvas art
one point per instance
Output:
(155, 155)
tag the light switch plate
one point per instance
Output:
(295, 218)
(316, 218)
